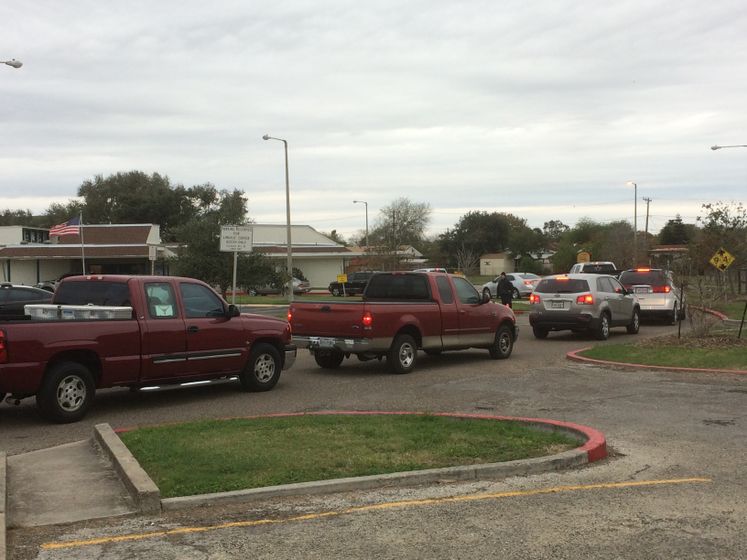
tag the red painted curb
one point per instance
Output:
(573, 355)
(595, 446)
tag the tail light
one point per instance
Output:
(527, 282)
(534, 298)
(367, 319)
(3, 348)
(661, 289)
(290, 314)
(585, 299)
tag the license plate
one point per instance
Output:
(641, 290)
(324, 342)
(557, 305)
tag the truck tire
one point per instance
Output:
(503, 344)
(403, 354)
(262, 371)
(337, 292)
(602, 330)
(66, 393)
(329, 359)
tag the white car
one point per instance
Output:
(523, 283)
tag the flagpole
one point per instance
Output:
(82, 241)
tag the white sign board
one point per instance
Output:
(236, 239)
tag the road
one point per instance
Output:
(675, 486)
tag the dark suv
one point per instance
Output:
(13, 298)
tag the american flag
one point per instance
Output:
(71, 227)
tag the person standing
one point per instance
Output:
(505, 290)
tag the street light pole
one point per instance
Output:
(13, 62)
(287, 216)
(366, 203)
(635, 223)
(733, 146)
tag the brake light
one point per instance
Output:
(643, 270)
(527, 282)
(3, 348)
(534, 298)
(661, 289)
(367, 319)
(585, 299)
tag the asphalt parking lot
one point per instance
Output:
(675, 486)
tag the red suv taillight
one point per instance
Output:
(367, 319)
(661, 289)
(534, 298)
(585, 299)
(3, 348)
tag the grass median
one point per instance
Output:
(710, 352)
(224, 455)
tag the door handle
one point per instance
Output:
(193, 329)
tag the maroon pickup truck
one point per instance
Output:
(403, 312)
(173, 330)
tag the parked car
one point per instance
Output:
(355, 285)
(595, 267)
(135, 331)
(523, 283)
(13, 299)
(582, 302)
(656, 292)
(299, 287)
(401, 313)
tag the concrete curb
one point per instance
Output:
(3, 503)
(594, 448)
(143, 490)
(574, 355)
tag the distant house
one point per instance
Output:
(492, 264)
(29, 255)
(317, 256)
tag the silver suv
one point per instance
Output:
(582, 302)
(656, 293)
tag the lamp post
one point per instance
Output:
(13, 62)
(717, 147)
(287, 216)
(366, 203)
(635, 222)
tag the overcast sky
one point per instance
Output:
(544, 109)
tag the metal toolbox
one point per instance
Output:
(51, 312)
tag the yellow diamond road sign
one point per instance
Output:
(722, 259)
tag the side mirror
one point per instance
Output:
(233, 311)
(485, 298)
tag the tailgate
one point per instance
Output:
(327, 319)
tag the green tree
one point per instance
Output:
(674, 232)
(554, 230)
(15, 217)
(199, 255)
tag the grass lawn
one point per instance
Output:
(218, 456)
(732, 310)
(718, 352)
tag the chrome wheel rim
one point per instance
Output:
(636, 321)
(504, 343)
(605, 326)
(264, 368)
(71, 393)
(406, 355)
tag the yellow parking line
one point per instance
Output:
(387, 505)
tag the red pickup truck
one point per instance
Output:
(178, 330)
(403, 312)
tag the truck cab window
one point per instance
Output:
(200, 301)
(466, 292)
(444, 289)
(161, 300)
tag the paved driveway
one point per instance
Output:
(676, 486)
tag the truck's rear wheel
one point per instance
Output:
(403, 354)
(503, 343)
(329, 359)
(262, 371)
(66, 393)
